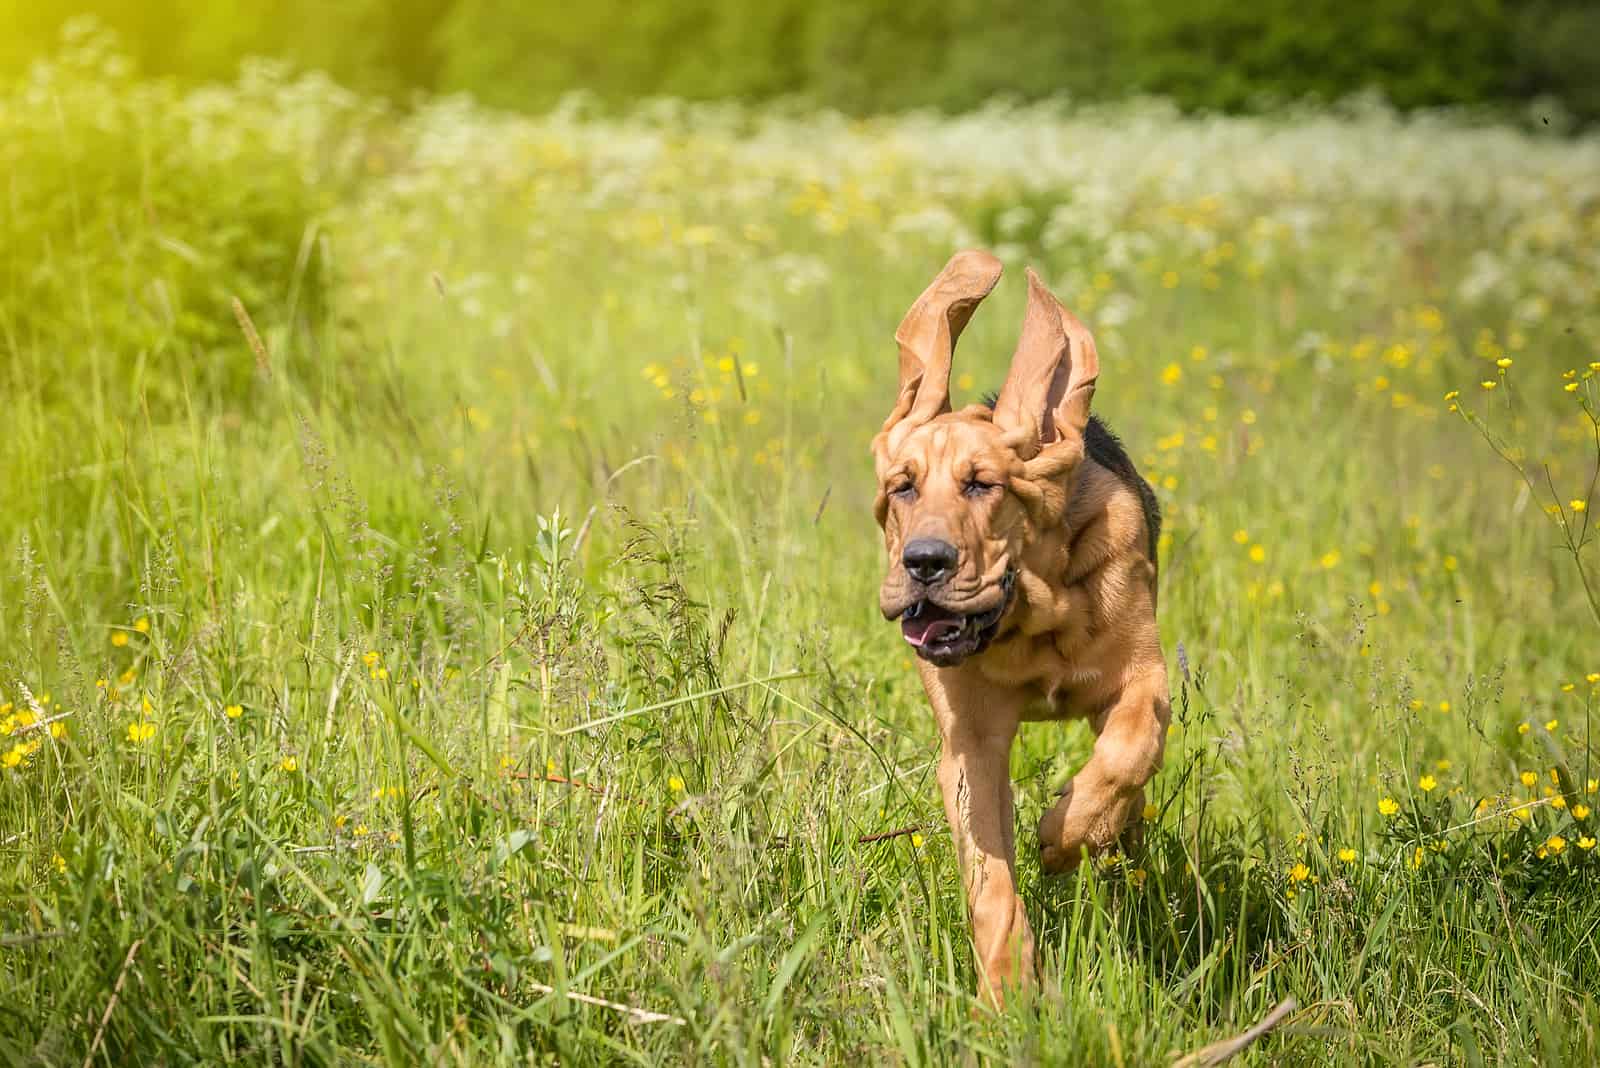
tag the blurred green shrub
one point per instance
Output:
(869, 55)
(133, 212)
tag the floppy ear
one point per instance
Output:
(927, 337)
(1045, 399)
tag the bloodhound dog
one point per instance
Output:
(1022, 569)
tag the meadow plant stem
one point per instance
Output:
(111, 1004)
(1573, 546)
(1226, 1050)
(660, 706)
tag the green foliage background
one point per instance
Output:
(873, 55)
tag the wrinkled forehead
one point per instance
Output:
(952, 442)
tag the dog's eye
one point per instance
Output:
(976, 487)
(903, 490)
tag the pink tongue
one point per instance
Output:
(932, 625)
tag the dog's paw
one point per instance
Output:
(1087, 822)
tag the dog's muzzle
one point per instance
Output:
(945, 638)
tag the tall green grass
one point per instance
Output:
(476, 624)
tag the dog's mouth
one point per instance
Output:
(944, 637)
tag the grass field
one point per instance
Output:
(478, 618)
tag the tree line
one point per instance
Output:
(864, 56)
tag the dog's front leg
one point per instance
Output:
(1107, 795)
(976, 732)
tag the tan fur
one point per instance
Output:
(1079, 638)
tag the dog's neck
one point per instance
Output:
(1046, 597)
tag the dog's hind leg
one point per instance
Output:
(1106, 797)
(976, 731)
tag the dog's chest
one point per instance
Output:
(1055, 683)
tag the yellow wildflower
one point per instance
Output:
(139, 733)
(675, 784)
(1523, 728)
(1529, 778)
(233, 711)
(1427, 783)
(142, 625)
(916, 841)
(1580, 812)
(1555, 843)
(1257, 553)
(1347, 855)
(1241, 537)
(1388, 806)
(1299, 873)
(1489, 384)
(1578, 505)
(1586, 842)
(289, 763)
(1551, 724)
(119, 638)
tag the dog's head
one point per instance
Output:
(962, 495)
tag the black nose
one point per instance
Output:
(929, 560)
